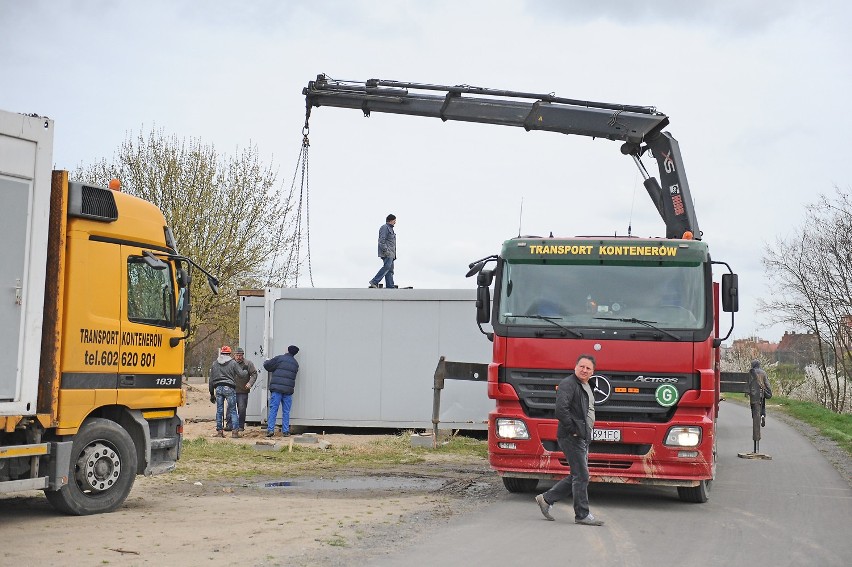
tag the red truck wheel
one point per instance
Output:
(520, 484)
(102, 471)
(695, 494)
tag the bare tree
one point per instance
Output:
(809, 275)
(226, 212)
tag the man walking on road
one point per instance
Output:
(387, 252)
(575, 410)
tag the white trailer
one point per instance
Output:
(26, 149)
(367, 357)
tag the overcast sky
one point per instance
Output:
(757, 94)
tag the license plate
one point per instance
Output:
(613, 435)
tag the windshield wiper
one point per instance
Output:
(640, 322)
(550, 320)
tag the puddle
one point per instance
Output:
(359, 483)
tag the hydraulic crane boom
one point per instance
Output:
(639, 127)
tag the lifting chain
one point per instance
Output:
(303, 210)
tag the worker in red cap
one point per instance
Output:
(223, 386)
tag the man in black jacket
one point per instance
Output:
(282, 383)
(575, 410)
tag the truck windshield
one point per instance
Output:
(603, 296)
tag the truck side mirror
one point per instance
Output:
(730, 293)
(484, 278)
(483, 304)
(184, 305)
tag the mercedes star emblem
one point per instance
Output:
(601, 388)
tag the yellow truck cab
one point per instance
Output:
(96, 299)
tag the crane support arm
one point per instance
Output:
(639, 127)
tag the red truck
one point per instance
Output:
(646, 308)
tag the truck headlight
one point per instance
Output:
(512, 429)
(683, 436)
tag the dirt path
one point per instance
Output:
(176, 520)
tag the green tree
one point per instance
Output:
(227, 213)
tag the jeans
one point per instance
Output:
(577, 482)
(225, 393)
(386, 272)
(242, 404)
(285, 401)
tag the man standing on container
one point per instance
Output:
(223, 382)
(575, 410)
(282, 383)
(244, 386)
(387, 252)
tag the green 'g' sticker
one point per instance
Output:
(666, 395)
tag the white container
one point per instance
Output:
(26, 154)
(367, 357)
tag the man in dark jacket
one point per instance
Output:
(575, 410)
(387, 252)
(223, 383)
(244, 386)
(282, 383)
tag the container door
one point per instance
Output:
(251, 339)
(14, 194)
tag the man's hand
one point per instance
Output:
(212, 399)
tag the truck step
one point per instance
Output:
(39, 483)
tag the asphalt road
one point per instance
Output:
(793, 510)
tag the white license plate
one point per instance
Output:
(613, 435)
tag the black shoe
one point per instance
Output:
(285, 434)
(270, 433)
(373, 286)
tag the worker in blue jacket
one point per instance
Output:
(282, 383)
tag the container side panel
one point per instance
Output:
(460, 340)
(302, 323)
(410, 354)
(353, 360)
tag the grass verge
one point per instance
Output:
(835, 426)
(201, 458)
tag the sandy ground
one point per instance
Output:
(175, 520)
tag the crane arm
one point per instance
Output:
(639, 127)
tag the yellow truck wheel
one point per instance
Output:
(102, 470)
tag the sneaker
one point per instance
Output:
(544, 507)
(220, 433)
(589, 521)
(285, 434)
(373, 286)
(235, 434)
(270, 433)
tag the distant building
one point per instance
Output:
(799, 349)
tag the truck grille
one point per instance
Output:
(536, 390)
